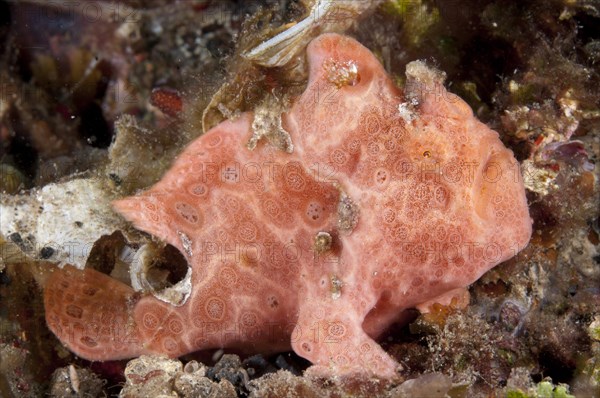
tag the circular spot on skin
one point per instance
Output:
(336, 330)
(382, 177)
(338, 156)
(89, 290)
(74, 311)
(272, 302)
(215, 308)
(271, 207)
(373, 149)
(169, 344)
(259, 187)
(175, 326)
(228, 277)
(150, 321)
(371, 124)
(439, 232)
(441, 196)
(418, 281)
(213, 140)
(398, 133)
(188, 213)
(342, 360)
(306, 347)
(249, 319)
(295, 181)
(287, 218)
(400, 233)
(232, 203)
(404, 168)
(389, 145)
(199, 321)
(458, 261)
(452, 171)
(153, 217)
(199, 190)
(250, 284)
(389, 215)
(353, 146)
(148, 206)
(455, 238)
(314, 211)
(418, 252)
(247, 232)
(88, 341)
(422, 193)
(200, 342)
(365, 348)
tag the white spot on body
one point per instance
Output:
(186, 242)
(336, 287)
(406, 110)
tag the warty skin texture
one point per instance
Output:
(417, 199)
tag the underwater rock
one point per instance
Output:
(16, 376)
(150, 376)
(75, 382)
(229, 368)
(59, 222)
(431, 385)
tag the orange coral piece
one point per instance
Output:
(167, 100)
(406, 195)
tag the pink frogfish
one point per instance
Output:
(384, 199)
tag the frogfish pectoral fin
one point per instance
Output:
(90, 313)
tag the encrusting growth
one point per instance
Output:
(380, 207)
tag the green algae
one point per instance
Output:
(544, 389)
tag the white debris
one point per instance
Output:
(336, 287)
(406, 110)
(59, 222)
(325, 16)
(536, 179)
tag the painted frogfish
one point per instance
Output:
(380, 199)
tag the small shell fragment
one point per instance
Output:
(323, 242)
(347, 213)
